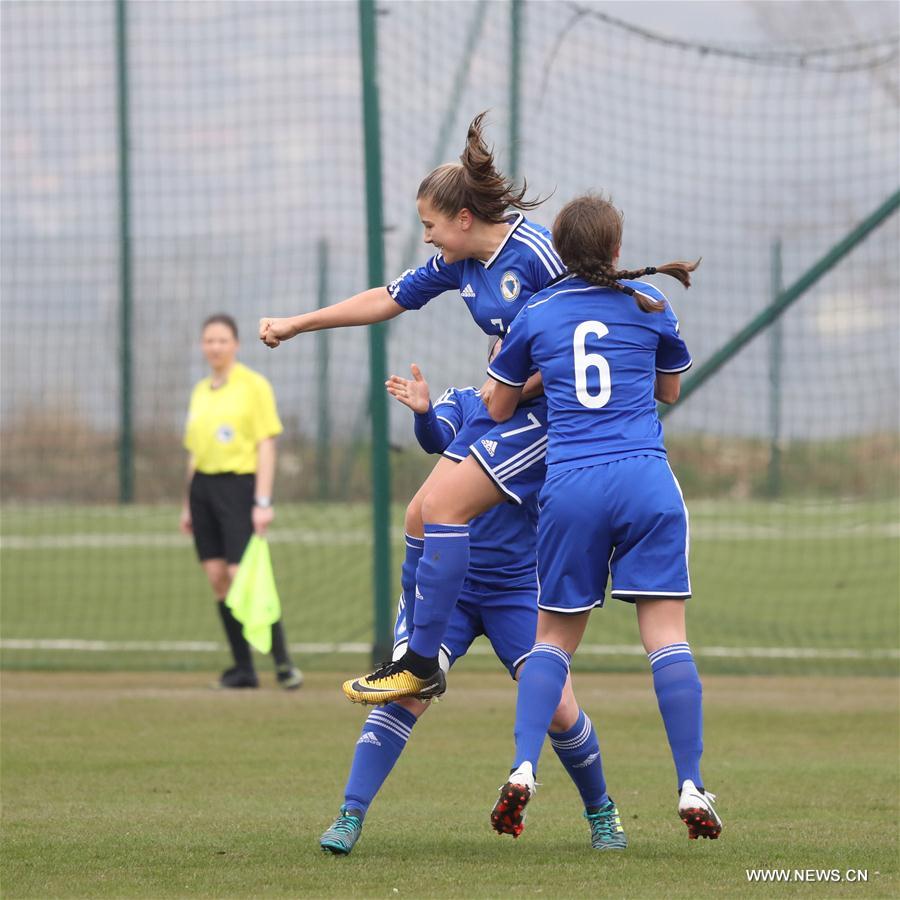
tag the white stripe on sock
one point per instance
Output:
(575, 742)
(671, 650)
(553, 651)
(389, 723)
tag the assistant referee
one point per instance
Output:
(230, 437)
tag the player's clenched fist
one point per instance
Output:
(273, 331)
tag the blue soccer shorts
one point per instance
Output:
(505, 614)
(624, 518)
(513, 454)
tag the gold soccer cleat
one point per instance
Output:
(394, 681)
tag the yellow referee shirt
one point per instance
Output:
(225, 424)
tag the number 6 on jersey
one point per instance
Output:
(585, 361)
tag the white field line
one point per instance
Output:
(702, 531)
(835, 653)
(309, 537)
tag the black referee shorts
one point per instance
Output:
(222, 515)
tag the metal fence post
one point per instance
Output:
(381, 490)
(126, 425)
(323, 431)
(775, 360)
(515, 79)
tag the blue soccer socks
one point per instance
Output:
(384, 735)
(680, 697)
(541, 685)
(414, 548)
(440, 576)
(579, 751)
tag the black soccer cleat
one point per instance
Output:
(236, 678)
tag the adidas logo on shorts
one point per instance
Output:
(490, 446)
(368, 737)
(468, 292)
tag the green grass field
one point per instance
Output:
(799, 587)
(151, 785)
(145, 783)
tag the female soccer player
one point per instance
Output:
(496, 261)
(498, 599)
(230, 436)
(610, 504)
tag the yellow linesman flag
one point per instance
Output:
(253, 597)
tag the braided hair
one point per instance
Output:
(475, 183)
(587, 235)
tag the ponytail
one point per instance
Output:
(587, 235)
(603, 275)
(475, 183)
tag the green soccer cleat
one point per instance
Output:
(343, 834)
(394, 681)
(606, 828)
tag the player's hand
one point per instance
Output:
(273, 331)
(262, 519)
(487, 391)
(410, 392)
(186, 525)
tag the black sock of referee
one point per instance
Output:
(279, 646)
(234, 631)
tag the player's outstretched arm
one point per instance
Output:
(367, 308)
(410, 392)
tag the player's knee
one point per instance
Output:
(431, 507)
(413, 519)
(441, 507)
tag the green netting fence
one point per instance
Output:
(245, 188)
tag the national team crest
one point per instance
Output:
(510, 286)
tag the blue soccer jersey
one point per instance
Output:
(494, 290)
(598, 354)
(502, 541)
(463, 411)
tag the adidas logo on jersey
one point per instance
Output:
(368, 737)
(586, 762)
(490, 446)
(468, 292)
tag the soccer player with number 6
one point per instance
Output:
(610, 504)
(499, 600)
